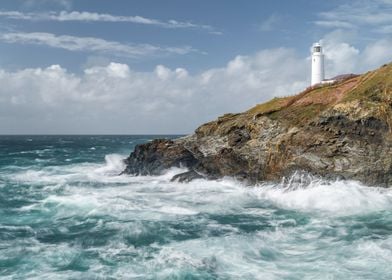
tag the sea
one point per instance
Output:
(66, 213)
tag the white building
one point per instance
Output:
(318, 74)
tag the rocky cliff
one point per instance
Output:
(339, 130)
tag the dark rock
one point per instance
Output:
(187, 176)
(238, 137)
(335, 131)
(154, 157)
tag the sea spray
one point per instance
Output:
(310, 193)
(80, 219)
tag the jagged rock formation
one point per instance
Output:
(339, 130)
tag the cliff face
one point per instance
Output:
(339, 130)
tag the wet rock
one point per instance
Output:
(187, 176)
(154, 157)
(336, 131)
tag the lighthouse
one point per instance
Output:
(317, 64)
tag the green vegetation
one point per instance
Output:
(375, 86)
(276, 104)
(370, 93)
(371, 89)
(298, 115)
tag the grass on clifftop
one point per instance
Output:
(373, 87)
(370, 93)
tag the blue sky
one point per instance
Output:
(82, 66)
(246, 27)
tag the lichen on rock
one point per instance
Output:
(341, 130)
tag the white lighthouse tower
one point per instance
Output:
(317, 64)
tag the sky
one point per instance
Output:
(166, 67)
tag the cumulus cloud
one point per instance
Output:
(376, 52)
(97, 17)
(343, 57)
(117, 99)
(91, 44)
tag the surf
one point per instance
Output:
(81, 219)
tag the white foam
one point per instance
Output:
(73, 173)
(114, 164)
(136, 203)
(340, 197)
(177, 210)
(166, 176)
(220, 196)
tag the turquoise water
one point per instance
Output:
(66, 214)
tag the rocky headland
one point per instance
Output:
(340, 130)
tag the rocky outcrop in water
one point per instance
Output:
(158, 155)
(341, 130)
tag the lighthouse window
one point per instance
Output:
(317, 49)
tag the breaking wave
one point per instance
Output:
(82, 220)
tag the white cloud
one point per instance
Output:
(334, 24)
(374, 14)
(91, 44)
(115, 70)
(342, 57)
(376, 52)
(162, 72)
(117, 99)
(97, 17)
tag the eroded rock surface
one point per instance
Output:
(336, 131)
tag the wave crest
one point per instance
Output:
(305, 192)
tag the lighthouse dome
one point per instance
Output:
(317, 48)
